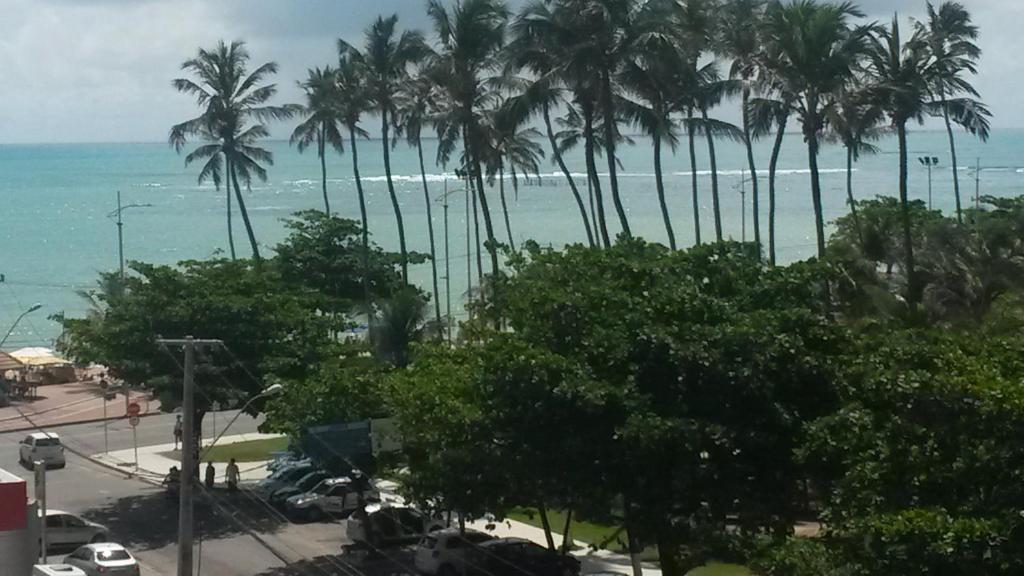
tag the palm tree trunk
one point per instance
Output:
(661, 193)
(227, 188)
(849, 196)
(609, 147)
(430, 231)
(693, 175)
(715, 204)
(386, 141)
(773, 165)
(590, 198)
(811, 136)
(491, 245)
(588, 145)
(754, 195)
(952, 154)
(321, 149)
(364, 221)
(476, 243)
(504, 205)
(568, 176)
(245, 216)
(913, 289)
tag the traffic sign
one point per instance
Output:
(134, 409)
(133, 420)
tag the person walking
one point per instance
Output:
(211, 473)
(177, 432)
(231, 475)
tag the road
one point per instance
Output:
(141, 517)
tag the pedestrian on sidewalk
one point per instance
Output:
(177, 432)
(231, 475)
(210, 474)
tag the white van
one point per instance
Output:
(42, 447)
(56, 570)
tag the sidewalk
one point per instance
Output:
(61, 404)
(156, 460)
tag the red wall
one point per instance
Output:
(13, 499)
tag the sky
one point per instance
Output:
(100, 70)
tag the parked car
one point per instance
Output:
(517, 556)
(104, 560)
(300, 486)
(385, 524)
(287, 459)
(284, 476)
(56, 570)
(445, 552)
(333, 498)
(67, 531)
(42, 447)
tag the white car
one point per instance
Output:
(444, 552)
(385, 524)
(332, 498)
(67, 531)
(42, 447)
(104, 560)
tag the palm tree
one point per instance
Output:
(415, 106)
(322, 124)
(538, 53)
(509, 144)
(740, 40)
(651, 77)
(402, 321)
(902, 78)
(855, 122)
(352, 102)
(578, 125)
(951, 36)
(230, 98)
(471, 34)
(385, 61)
(815, 53)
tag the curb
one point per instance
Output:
(63, 424)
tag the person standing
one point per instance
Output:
(210, 475)
(231, 475)
(177, 432)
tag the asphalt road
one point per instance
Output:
(144, 519)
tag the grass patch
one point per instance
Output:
(716, 569)
(251, 451)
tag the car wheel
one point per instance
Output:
(316, 514)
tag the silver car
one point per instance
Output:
(104, 560)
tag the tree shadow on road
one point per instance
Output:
(150, 521)
(397, 562)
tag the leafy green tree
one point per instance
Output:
(385, 62)
(322, 124)
(816, 50)
(230, 98)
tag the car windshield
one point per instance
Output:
(47, 442)
(111, 555)
(322, 488)
(309, 481)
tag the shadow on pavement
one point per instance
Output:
(150, 521)
(395, 563)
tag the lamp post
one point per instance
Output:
(929, 161)
(271, 390)
(120, 227)
(31, 309)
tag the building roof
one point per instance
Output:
(8, 362)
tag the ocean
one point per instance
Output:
(56, 235)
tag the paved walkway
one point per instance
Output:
(156, 460)
(61, 404)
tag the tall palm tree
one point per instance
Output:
(740, 40)
(951, 35)
(816, 51)
(385, 59)
(538, 53)
(230, 98)
(352, 102)
(902, 78)
(709, 91)
(471, 34)
(650, 76)
(322, 123)
(416, 104)
(579, 125)
(856, 122)
(510, 145)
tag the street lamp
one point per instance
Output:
(31, 309)
(271, 390)
(929, 161)
(120, 226)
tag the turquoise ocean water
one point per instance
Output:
(55, 235)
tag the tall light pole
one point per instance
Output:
(271, 390)
(929, 161)
(31, 309)
(447, 261)
(120, 226)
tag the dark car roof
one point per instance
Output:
(498, 542)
